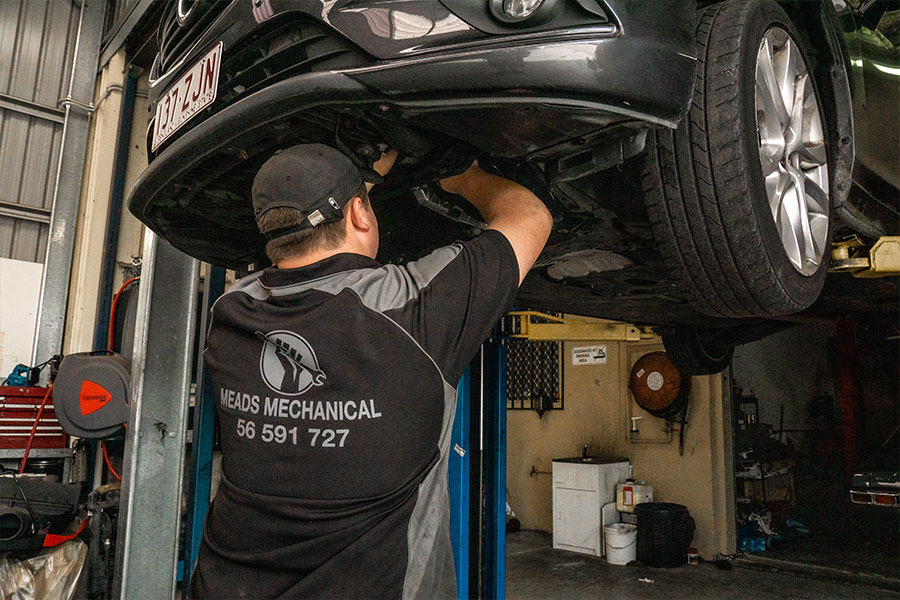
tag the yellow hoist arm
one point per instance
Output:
(852, 255)
(542, 327)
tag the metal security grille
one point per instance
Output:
(534, 375)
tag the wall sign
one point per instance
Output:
(589, 355)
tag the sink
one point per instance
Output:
(591, 460)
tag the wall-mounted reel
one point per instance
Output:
(660, 388)
(92, 394)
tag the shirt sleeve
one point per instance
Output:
(463, 290)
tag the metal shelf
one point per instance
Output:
(37, 453)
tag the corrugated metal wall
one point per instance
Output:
(120, 11)
(37, 42)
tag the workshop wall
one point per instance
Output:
(37, 46)
(597, 408)
(813, 426)
(702, 479)
(92, 210)
(131, 231)
(590, 415)
(94, 204)
(875, 369)
(762, 370)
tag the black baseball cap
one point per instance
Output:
(314, 179)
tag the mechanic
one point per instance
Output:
(335, 381)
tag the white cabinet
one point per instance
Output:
(580, 489)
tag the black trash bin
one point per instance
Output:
(664, 534)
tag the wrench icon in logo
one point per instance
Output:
(292, 360)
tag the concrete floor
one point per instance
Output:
(843, 536)
(534, 570)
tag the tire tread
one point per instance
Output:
(696, 186)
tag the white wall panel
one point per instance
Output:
(20, 289)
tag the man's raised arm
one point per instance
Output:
(507, 207)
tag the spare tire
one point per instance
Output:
(739, 195)
(696, 352)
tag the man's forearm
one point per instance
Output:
(495, 198)
(507, 207)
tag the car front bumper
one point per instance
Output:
(519, 95)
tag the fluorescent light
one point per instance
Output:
(886, 69)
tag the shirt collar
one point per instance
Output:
(273, 277)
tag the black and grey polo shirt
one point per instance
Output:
(336, 392)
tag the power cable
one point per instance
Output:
(34, 428)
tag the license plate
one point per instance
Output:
(195, 90)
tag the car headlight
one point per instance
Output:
(522, 12)
(521, 9)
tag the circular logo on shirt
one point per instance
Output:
(288, 363)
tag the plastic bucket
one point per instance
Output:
(621, 543)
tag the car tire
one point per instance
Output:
(696, 354)
(703, 183)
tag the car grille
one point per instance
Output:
(175, 39)
(283, 48)
(288, 45)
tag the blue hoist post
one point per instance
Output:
(458, 473)
(494, 461)
(477, 473)
(203, 427)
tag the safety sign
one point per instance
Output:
(589, 355)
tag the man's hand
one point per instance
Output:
(507, 207)
(383, 166)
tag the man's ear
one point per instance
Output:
(358, 215)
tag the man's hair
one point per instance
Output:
(325, 236)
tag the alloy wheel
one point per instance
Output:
(792, 150)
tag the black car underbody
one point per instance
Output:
(563, 108)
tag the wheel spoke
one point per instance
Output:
(787, 67)
(812, 155)
(768, 160)
(818, 224)
(791, 230)
(777, 185)
(816, 197)
(807, 248)
(768, 91)
(812, 138)
(797, 102)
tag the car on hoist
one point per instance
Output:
(698, 157)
